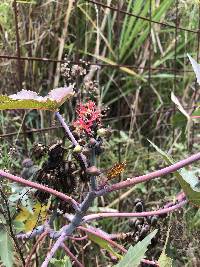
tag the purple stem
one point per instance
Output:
(133, 214)
(102, 236)
(37, 231)
(63, 234)
(40, 187)
(78, 238)
(179, 197)
(53, 250)
(69, 133)
(143, 178)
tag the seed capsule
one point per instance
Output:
(93, 171)
(78, 149)
(139, 207)
(154, 220)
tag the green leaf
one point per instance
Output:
(196, 114)
(135, 254)
(6, 249)
(31, 100)
(21, 194)
(194, 222)
(65, 262)
(188, 180)
(103, 244)
(179, 120)
(19, 226)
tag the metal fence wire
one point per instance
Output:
(139, 46)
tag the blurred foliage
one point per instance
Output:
(139, 100)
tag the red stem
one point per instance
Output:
(111, 242)
(143, 178)
(42, 236)
(133, 214)
(71, 255)
(78, 238)
(39, 186)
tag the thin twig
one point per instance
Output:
(40, 238)
(71, 255)
(11, 228)
(78, 238)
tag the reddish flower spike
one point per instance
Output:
(88, 114)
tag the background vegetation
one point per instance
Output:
(139, 64)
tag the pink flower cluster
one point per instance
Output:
(88, 115)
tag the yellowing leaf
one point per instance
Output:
(164, 260)
(26, 99)
(30, 220)
(23, 215)
(30, 224)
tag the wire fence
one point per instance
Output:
(173, 67)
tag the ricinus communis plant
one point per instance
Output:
(57, 179)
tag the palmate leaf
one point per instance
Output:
(188, 180)
(135, 254)
(6, 249)
(26, 99)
